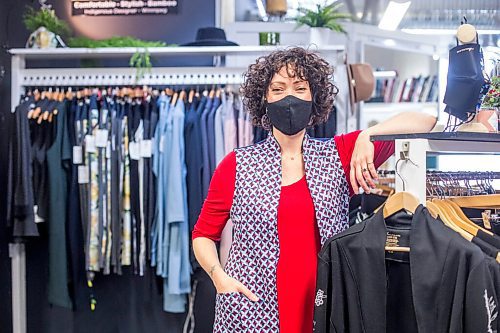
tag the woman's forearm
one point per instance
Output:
(205, 252)
(403, 123)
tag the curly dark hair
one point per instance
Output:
(306, 64)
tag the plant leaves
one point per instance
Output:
(323, 16)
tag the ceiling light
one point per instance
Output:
(435, 56)
(393, 15)
(389, 42)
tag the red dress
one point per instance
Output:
(297, 231)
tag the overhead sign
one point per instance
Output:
(123, 7)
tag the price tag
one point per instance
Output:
(77, 155)
(134, 150)
(101, 140)
(486, 219)
(90, 143)
(108, 150)
(83, 174)
(146, 148)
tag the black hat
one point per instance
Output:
(210, 37)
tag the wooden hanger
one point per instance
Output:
(436, 212)
(452, 217)
(464, 217)
(478, 201)
(169, 92)
(174, 98)
(36, 94)
(182, 95)
(400, 201)
(395, 203)
(69, 94)
(191, 95)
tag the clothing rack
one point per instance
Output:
(413, 150)
(237, 58)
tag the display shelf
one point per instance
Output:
(443, 136)
(114, 52)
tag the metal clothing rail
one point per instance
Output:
(237, 58)
(414, 149)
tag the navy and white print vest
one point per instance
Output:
(254, 254)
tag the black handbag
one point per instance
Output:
(465, 80)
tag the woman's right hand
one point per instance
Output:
(226, 284)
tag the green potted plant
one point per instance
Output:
(47, 29)
(322, 20)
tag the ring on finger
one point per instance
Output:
(370, 163)
(364, 170)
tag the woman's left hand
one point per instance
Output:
(363, 170)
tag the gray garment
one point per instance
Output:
(248, 128)
(204, 141)
(211, 134)
(219, 131)
(241, 121)
(230, 125)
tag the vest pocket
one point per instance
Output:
(227, 311)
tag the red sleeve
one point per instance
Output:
(345, 145)
(215, 211)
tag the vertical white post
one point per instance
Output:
(18, 65)
(17, 251)
(413, 171)
(17, 254)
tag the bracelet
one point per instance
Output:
(212, 269)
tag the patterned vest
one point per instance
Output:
(254, 254)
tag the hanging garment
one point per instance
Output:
(240, 111)
(58, 163)
(20, 215)
(219, 131)
(443, 285)
(206, 176)
(177, 282)
(211, 134)
(194, 166)
(230, 125)
(160, 168)
(75, 234)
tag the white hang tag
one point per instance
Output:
(134, 150)
(90, 143)
(146, 148)
(101, 140)
(108, 150)
(77, 155)
(83, 174)
(162, 143)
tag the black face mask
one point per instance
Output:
(289, 115)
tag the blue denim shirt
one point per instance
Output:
(170, 234)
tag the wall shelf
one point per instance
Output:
(114, 52)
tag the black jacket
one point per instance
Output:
(444, 285)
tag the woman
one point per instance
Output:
(286, 196)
